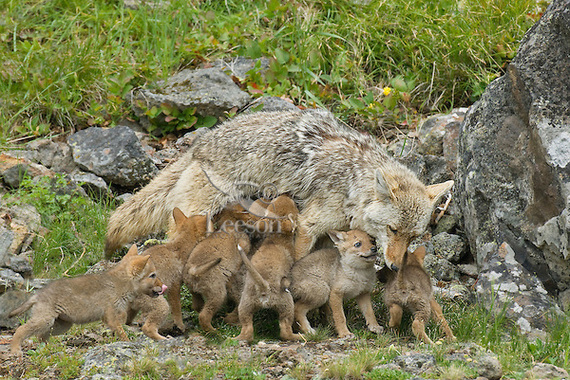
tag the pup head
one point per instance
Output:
(143, 273)
(401, 210)
(279, 216)
(355, 245)
(191, 228)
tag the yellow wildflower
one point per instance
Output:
(386, 91)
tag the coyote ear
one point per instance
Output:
(420, 254)
(336, 236)
(133, 251)
(384, 185)
(178, 216)
(137, 265)
(437, 191)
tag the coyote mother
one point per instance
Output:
(343, 179)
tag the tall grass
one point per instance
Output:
(68, 64)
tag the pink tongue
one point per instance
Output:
(164, 287)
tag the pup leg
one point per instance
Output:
(214, 300)
(421, 316)
(246, 311)
(419, 330)
(396, 312)
(34, 326)
(154, 314)
(336, 303)
(438, 314)
(365, 305)
(301, 310)
(286, 313)
(175, 306)
(115, 321)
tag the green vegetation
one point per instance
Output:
(70, 64)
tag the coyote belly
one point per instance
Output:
(342, 178)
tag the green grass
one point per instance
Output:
(69, 64)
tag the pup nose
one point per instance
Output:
(394, 267)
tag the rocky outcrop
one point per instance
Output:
(513, 175)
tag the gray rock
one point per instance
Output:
(114, 154)
(21, 264)
(449, 246)
(513, 177)
(6, 240)
(415, 363)
(440, 268)
(211, 91)
(9, 279)
(94, 186)
(14, 175)
(546, 371)
(53, 155)
(485, 362)
(9, 301)
(240, 66)
(108, 359)
(504, 283)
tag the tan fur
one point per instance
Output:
(88, 298)
(266, 282)
(334, 275)
(411, 288)
(169, 259)
(212, 270)
(343, 179)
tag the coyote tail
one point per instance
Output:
(254, 273)
(199, 270)
(146, 211)
(24, 307)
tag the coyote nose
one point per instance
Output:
(394, 267)
(374, 249)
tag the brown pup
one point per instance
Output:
(212, 270)
(266, 282)
(88, 298)
(169, 259)
(411, 288)
(333, 275)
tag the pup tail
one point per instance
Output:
(24, 307)
(147, 211)
(199, 270)
(257, 277)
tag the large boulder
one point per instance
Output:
(114, 154)
(513, 174)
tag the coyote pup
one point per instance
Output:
(169, 259)
(411, 287)
(333, 275)
(266, 282)
(212, 272)
(88, 298)
(343, 179)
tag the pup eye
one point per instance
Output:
(357, 244)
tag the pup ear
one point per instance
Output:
(336, 236)
(137, 264)
(385, 185)
(178, 216)
(133, 251)
(202, 225)
(420, 254)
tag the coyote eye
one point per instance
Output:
(393, 230)
(357, 244)
(152, 275)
